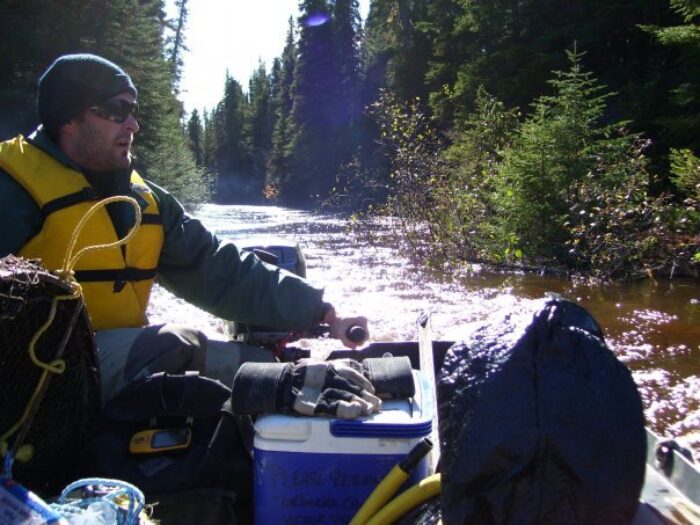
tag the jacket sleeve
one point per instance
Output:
(20, 217)
(215, 276)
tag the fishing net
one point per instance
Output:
(48, 444)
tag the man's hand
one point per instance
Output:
(340, 328)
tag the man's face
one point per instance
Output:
(97, 141)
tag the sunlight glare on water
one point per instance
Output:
(653, 328)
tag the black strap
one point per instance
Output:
(84, 195)
(151, 218)
(120, 277)
(391, 377)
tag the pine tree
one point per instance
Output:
(178, 40)
(29, 42)
(315, 83)
(195, 133)
(397, 49)
(346, 110)
(257, 129)
(680, 114)
(279, 163)
(560, 143)
(230, 153)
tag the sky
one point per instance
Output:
(231, 35)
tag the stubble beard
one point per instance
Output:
(106, 157)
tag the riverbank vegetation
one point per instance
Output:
(486, 131)
(559, 189)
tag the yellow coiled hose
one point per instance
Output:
(376, 511)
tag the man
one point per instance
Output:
(81, 153)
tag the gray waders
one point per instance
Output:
(129, 354)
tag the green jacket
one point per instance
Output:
(194, 264)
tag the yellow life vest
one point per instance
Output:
(116, 282)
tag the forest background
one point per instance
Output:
(545, 134)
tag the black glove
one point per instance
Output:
(308, 387)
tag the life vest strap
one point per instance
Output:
(84, 195)
(119, 277)
(151, 218)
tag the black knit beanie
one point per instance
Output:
(74, 83)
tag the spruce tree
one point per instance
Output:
(559, 144)
(177, 42)
(230, 153)
(397, 49)
(257, 130)
(315, 84)
(345, 108)
(210, 141)
(195, 133)
(679, 118)
(29, 42)
(134, 39)
(280, 164)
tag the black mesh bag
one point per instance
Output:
(57, 425)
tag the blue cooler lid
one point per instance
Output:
(383, 425)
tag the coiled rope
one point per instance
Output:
(57, 366)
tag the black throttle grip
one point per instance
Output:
(356, 334)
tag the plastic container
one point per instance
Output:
(19, 505)
(320, 470)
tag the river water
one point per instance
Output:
(653, 327)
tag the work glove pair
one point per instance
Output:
(311, 387)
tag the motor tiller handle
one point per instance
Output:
(355, 333)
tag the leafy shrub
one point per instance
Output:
(439, 196)
(622, 232)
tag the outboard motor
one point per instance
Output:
(287, 256)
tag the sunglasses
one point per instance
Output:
(116, 110)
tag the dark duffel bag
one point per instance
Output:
(175, 437)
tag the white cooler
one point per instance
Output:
(320, 470)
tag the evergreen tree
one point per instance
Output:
(195, 133)
(395, 53)
(275, 83)
(230, 153)
(29, 42)
(324, 104)
(128, 32)
(178, 40)
(315, 84)
(509, 47)
(258, 129)
(210, 141)
(396, 49)
(345, 110)
(560, 143)
(679, 117)
(279, 163)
